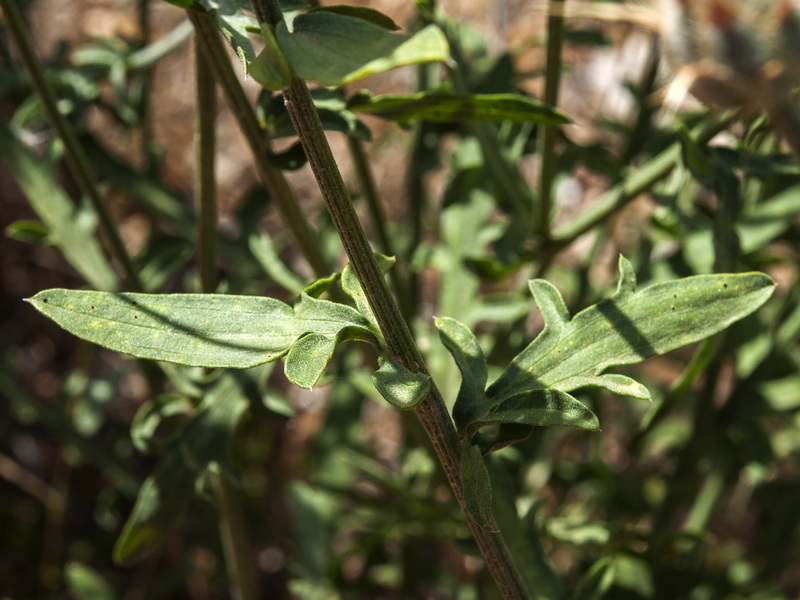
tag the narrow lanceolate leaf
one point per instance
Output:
(400, 387)
(209, 330)
(471, 362)
(68, 227)
(458, 108)
(334, 47)
(626, 328)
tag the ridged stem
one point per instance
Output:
(432, 412)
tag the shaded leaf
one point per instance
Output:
(400, 387)
(30, 232)
(769, 219)
(270, 68)
(471, 362)
(334, 48)
(264, 250)
(331, 108)
(87, 584)
(458, 108)
(538, 408)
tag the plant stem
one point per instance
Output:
(233, 533)
(235, 542)
(272, 178)
(432, 412)
(555, 40)
(76, 161)
(204, 180)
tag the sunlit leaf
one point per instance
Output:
(626, 328)
(469, 358)
(210, 330)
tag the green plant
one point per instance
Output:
(215, 407)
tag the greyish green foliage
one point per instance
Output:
(362, 507)
(568, 354)
(628, 327)
(209, 330)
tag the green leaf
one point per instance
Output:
(367, 14)
(270, 68)
(333, 47)
(159, 421)
(626, 328)
(538, 408)
(446, 107)
(306, 361)
(266, 254)
(235, 27)
(85, 583)
(477, 487)
(400, 387)
(769, 219)
(469, 358)
(70, 228)
(209, 330)
(331, 108)
(30, 232)
(352, 287)
(165, 494)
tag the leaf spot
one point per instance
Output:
(44, 300)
